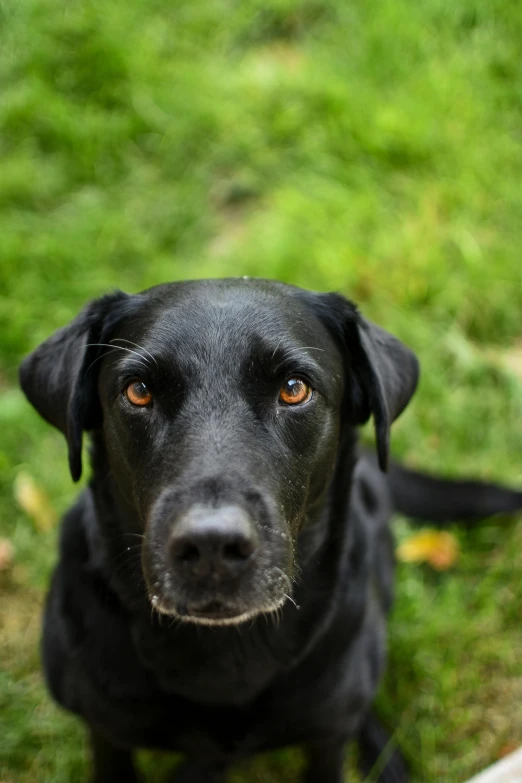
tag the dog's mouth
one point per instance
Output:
(213, 610)
(216, 612)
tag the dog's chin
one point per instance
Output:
(215, 613)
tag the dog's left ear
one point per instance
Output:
(381, 372)
(56, 377)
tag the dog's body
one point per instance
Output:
(220, 694)
(279, 607)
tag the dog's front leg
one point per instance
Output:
(110, 763)
(325, 761)
(378, 755)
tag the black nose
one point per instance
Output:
(213, 541)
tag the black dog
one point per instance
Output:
(224, 581)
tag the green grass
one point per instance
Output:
(368, 147)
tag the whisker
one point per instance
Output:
(115, 347)
(142, 363)
(289, 597)
(132, 548)
(305, 348)
(277, 346)
(129, 567)
(102, 356)
(127, 558)
(128, 535)
(121, 340)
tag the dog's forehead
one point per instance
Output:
(226, 315)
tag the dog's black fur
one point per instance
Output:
(291, 647)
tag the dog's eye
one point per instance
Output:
(295, 391)
(137, 393)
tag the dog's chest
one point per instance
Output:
(205, 669)
(223, 718)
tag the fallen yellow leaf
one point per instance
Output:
(438, 548)
(34, 501)
(513, 359)
(509, 358)
(6, 554)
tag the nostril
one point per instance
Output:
(186, 552)
(238, 550)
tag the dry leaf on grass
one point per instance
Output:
(6, 554)
(507, 749)
(439, 549)
(34, 501)
(513, 359)
(510, 358)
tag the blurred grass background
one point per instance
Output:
(368, 147)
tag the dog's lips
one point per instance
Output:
(213, 610)
(216, 612)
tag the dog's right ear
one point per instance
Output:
(381, 372)
(55, 377)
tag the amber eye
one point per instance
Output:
(295, 391)
(137, 393)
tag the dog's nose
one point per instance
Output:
(217, 542)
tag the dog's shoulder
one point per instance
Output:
(372, 509)
(86, 624)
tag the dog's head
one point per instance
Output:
(221, 405)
